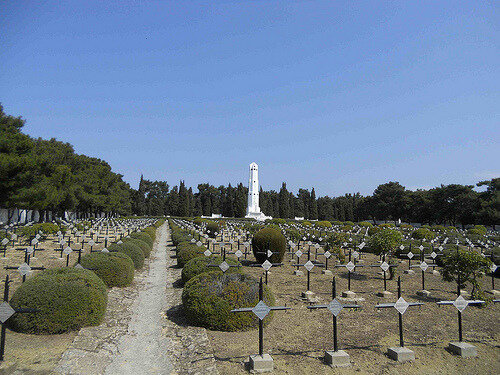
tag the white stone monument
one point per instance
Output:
(253, 209)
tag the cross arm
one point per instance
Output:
(385, 305)
(472, 302)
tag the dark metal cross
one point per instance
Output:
(267, 264)
(401, 305)
(6, 311)
(309, 265)
(224, 266)
(261, 310)
(460, 303)
(334, 307)
(25, 268)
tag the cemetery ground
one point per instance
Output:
(298, 338)
(38, 354)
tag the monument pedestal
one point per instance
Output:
(337, 359)
(401, 354)
(462, 349)
(261, 363)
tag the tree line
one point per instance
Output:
(47, 175)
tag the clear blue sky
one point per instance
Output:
(342, 96)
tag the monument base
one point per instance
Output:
(259, 216)
(462, 349)
(298, 273)
(261, 363)
(401, 354)
(409, 272)
(326, 272)
(337, 359)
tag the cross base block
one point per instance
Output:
(261, 363)
(423, 293)
(401, 354)
(384, 294)
(462, 349)
(348, 294)
(337, 359)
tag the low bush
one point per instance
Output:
(423, 234)
(269, 239)
(212, 228)
(209, 298)
(130, 249)
(187, 251)
(151, 231)
(146, 249)
(66, 299)
(115, 269)
(200, 264)
(143, 237)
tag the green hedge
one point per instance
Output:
(199, 265)
(115, 269)
(146, 249)
(67, 299)
(187, 251)
(133, 251)
(179, 236)
(143, 237)
(269, 239)
(209, 298)
(151, 231)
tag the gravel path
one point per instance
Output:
(144, 329)
(143, 350)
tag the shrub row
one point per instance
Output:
(67, 299)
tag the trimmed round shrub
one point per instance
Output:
(143, 237)
(115, 269)
(199, 265)
(365, 224)
(146, 249)
(180, 236)
(66, 299)
(209, 298)
(212, 228)
(151, 231)
(187, 251)
(133, 251)
(269, 239)
(324, 224)
(423, 234)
